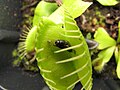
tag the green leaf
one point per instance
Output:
(108, 2)
(62, 68)
(118, 65)
(107, 54)
(103, 57)
(103, 38)
(97, 64)
(30, 39)
(116, 54)
(43, 9)
(79, 8)
(58, 16)
(76, 7)
(118, 40)
(117, 57)
(46, 9)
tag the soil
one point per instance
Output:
(95, 16)
(100, 16)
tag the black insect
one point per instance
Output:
(63, 44)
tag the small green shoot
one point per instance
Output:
(108, 46)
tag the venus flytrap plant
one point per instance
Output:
(45, 9)
(108, 46)
(67, 66)
(58, 45)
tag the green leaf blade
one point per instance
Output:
(103, 57)
(57, 16)
(107, 54)
(108, 2)
(43, 9)
(118, 40)
(52, 72)
(70, 25)
(118, 65)
(116, 54)
(103, 38)
(63, 68)
(79, 7)
(30, 39)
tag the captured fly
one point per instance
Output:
(63, 44)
